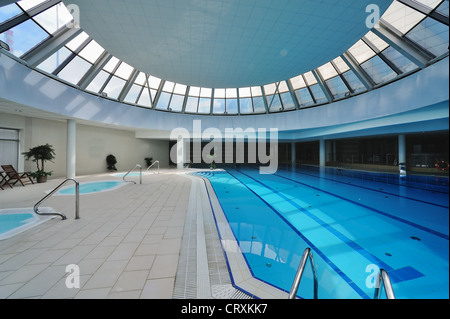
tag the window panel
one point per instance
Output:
(124, 71)
(114, 87)
(327, 71)
(92, 51)
(443, 8)
(55, 60)
(8, 12)
(176, 103)
(194, 91)
(23, 37)
(318, 94)
(204, 105)
(310, 78)
(258, 104)
(154, 82)
(378, 70)
(399, 60)
(54, 18)
(361, 52)
(337, 87)
(145, 98)
(164, 100)
(288, 103)
(298, 82)
(431, 35)
(402, 17)
(246, 105)
(356, 85)
(232, 106)
(75, 43)
(98, 82)
(341, 65)
(111, 65)
(274, 103)
(219, 106)
(133, 94)
(191, 105)
(75, 70)
(304, 97)
(245, 92)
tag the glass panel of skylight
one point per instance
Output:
(114, 87)
(168, 86)
(274, 103)
(245, 92)
(304, 97)
(246, 106)
(8, 12)
(430, 3)
(298, 82)
(163, 101)
(54, 18)
(219, 93)
(124, 71)
(288, 103)
(318, 94)
(111, 65)
(204, 105)
(194, 91)
(310, 78)
(141, 79)
(270, 89)
(379, 43)
(258, 104)
(356, 85)
(337, 87)
(176, 103)
(256, 91)
(133, 94)
(29, 4)
(23, 37)
(75, 70)
(218, 106)
(431, 35)
(55, 60)
(443, 8)
(400, 61)
(98, 82)
(92, 51)
(341, 65)
(77, 41)
(180, 89)
(232, 106)
(154, 82)
(191, 104)
(327, 71)
(361, 51)
(145, 98)
(378, 70)
(402, 17)
(231, 93)
(206, 92)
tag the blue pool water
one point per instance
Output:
(12, 221)
(92, 187)
(351, 223)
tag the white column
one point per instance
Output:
(71, 148)
(322, 152)
(402, 154)
(180, 152)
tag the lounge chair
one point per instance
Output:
(3, 180)
(12, 176)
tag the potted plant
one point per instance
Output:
(148, 161)
(40, 154)
(111, 161)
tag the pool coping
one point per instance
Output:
(240, 275)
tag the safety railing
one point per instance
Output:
(383, 278)
(298, 277)
(77, 200)
(156, 162)
(140, 174)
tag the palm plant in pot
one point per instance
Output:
(40, 154)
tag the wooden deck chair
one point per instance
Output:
(4, 180)
(12, 176)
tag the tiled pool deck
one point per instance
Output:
(157, 239)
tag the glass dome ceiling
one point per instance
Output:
(410, 35)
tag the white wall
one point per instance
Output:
(92, 147)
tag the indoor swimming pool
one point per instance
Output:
(16, 220)
(354, 223)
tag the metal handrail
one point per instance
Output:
(383, 277)
(77, 200)
(298, 277)
(155, 162)
(140, 174)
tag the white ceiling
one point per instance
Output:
(220, 44)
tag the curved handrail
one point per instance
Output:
(384, 277)
(298, 277)
(155, 162)
(140, 174)
(77, 200)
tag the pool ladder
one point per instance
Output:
(77, 200)
(382, 278)
(156, 162)
(140, 174)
